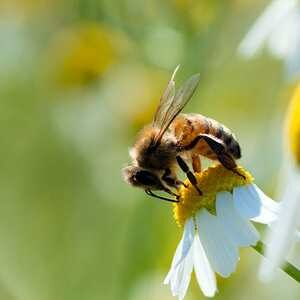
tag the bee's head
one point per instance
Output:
(142, 178)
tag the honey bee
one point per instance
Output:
(173, 139)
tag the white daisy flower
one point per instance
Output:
(278, 29)
(284, 233)
(216, 225)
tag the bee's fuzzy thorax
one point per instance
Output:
(160, 157)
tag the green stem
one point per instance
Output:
(288, 268)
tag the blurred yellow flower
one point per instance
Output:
(82, 54)
(283, 233)
(198, 13)
(293, 125)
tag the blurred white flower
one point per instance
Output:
(211, 240)
(278, 29)
(17, 48)
(283, 232)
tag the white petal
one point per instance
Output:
(220, 250)
(186, 275)
(283, 231)
(240, 230)
(253, 204)
(205, 275)
(284, 40)
(183, 247)
(188, 238)
(273, 15)
(174, 262)
(181, 275)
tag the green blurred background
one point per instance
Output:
(78, 79)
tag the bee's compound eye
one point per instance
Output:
(146, 178)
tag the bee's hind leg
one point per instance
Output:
(219, 149)
(228, 162)
(185, 168)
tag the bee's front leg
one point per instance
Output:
(150, 193)
(185, 168)
(171, 180)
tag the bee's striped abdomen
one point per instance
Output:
(229, 140)
(187, 126)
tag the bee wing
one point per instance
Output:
(165, 102)
(178, 102)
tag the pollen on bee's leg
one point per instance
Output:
(210, 181)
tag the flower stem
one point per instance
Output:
(288, 268)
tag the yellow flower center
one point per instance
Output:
(211, 181)
(293, 125)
